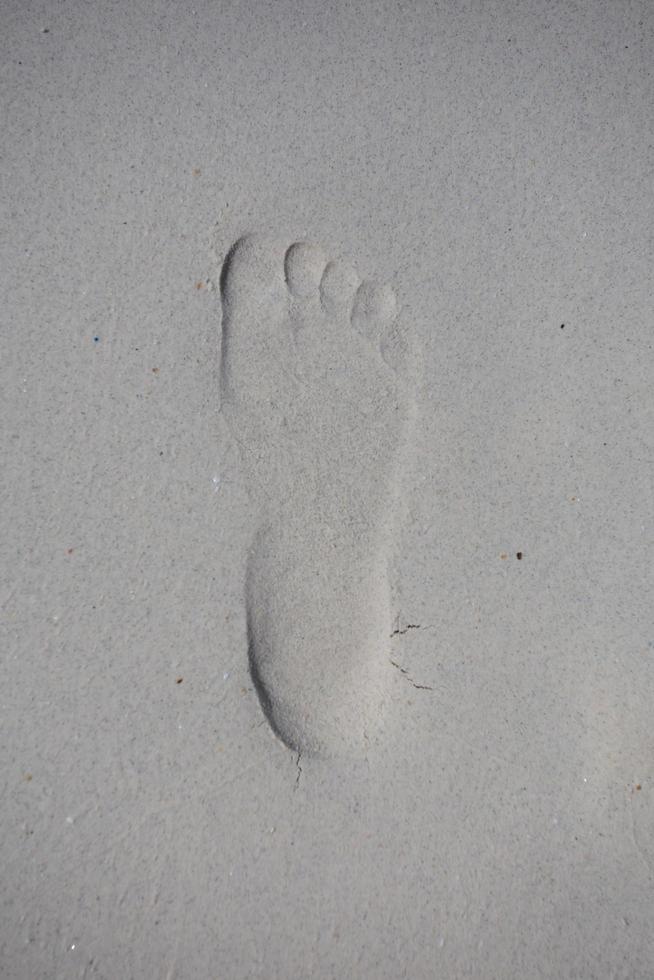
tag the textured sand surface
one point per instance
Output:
(493, 164)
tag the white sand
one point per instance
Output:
(493, 163)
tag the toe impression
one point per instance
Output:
(337, 287)
(374, 310)
(303, 267)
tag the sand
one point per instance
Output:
(375, 700)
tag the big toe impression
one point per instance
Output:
(252, 273)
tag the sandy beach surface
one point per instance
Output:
(327, 568)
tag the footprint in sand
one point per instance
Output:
(315, 388)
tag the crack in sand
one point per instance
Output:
(405, 672)
(409, 626)
(299, 770)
